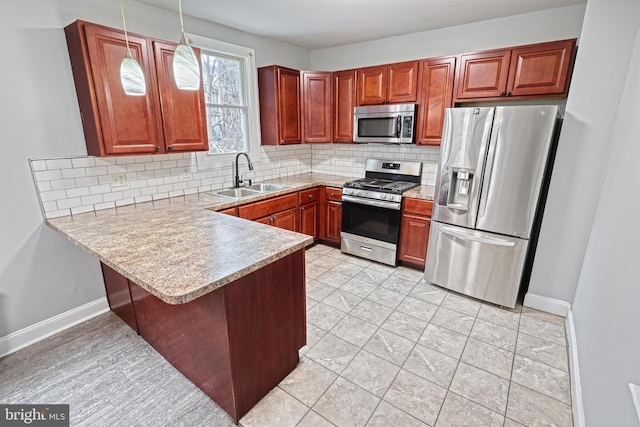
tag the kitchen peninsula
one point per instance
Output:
(221, 298)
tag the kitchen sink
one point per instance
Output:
(237, 193)
(263, 188)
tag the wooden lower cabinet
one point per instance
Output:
(229, 211)
(414, 232)
(286, 219)
(235, 343)
(333, 221)
(309, 219)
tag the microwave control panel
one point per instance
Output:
(407, 126)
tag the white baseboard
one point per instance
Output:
(549, 305)
(41, 330)
(576, 387)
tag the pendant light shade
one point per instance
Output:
(131, 75)
(186, 70)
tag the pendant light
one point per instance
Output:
(186, 70)
(131, 75)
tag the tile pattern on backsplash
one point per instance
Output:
(74, 185)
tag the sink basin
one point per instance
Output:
(266, 187)
(237, 193)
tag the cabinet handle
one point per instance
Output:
(502, 94)
(170, 147)
(282, 142)
(157, 148)
(302, 208)
(310, 196)
(509, 93)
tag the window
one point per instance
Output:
(230, 84)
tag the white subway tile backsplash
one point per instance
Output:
(154, 177)
(87, 181)
(91, 200)
(38, 165)
(60, 213)
(78, 192)
(83, 162)
(103, 206)
(61, 184)
(59, 164)
(48, 196)
(96, 170)
(82, 209)
(47, 175)
(70, 203)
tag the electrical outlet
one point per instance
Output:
(118, 179)
(185, 173)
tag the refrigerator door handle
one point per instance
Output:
(489, 169)
(455, 233)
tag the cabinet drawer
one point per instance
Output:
(268, 207)
(332, 193)
(418, 206)
(229, 211)
(308, 196)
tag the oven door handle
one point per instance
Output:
(370, 202)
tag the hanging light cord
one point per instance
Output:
(124, 25)
(181, 21)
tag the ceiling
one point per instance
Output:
(327, 23)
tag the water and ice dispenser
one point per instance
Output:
(456, 187)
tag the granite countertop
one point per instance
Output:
(424, 192)
(178, 249)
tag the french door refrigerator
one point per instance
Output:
(493, 162)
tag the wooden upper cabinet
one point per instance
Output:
(344, 101)
(316, 106)
(538, 70)
(114, 123)
(164, 119)
(279, 89)
(391, 83)
(183, 111)
(402, 82)
(436, 94)
(483, 74)
(541, 69)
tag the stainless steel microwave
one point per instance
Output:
(391, 123)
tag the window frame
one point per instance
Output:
(247, 55)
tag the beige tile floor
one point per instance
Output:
(386, 349)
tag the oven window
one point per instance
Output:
(378, 127)
(370, 221)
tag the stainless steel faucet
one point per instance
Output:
(237, 180)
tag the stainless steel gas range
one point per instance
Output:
(371, 209)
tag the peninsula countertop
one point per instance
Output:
(179, 249)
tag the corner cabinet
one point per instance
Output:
(540, 70)
(436, 95)
(331, 215)
(344, 101)
(118, 124)
(316, 106)
(391, 83)
(414, 232)
(279, 91)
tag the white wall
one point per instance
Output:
(607, 301)
(606, 43)
(548, 25)
(41, 274)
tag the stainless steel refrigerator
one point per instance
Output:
(493, 162)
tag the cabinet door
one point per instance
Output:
(289, 106)
(372, 85)
(127, 124)
(436, 95)
(333, 221)
(414, 239)
(541, 69)
(344, 101)
(483, 74)
(402, 82)
(309, 219)
(286, 219)
(183, 111)
(316, 104)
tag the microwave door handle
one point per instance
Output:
(398, 125)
